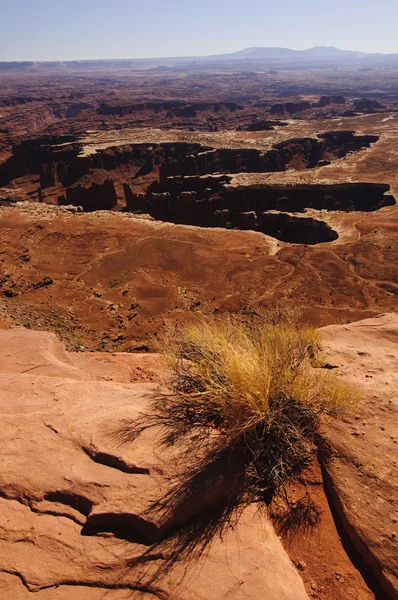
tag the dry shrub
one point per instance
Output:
(244, 408)
(254, 390)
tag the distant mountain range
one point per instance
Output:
(286, 53)
(243, 59)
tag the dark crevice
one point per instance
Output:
(57, 514)
(20, 576)
(80, 503)
(28, 502)
(114, 462)
(144, 588)
(21, 499)
(125, 526)
(135, 587)
(296, 230)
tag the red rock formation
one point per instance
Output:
(190, 201)
(177, 108)
(362, 471)
(326, 100)
(98, 196)
(289, 107)
(366, 105)
(59, 162)
(75, 502)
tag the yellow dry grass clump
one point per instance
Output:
(261, 390)
(244, 406)
(238, 373)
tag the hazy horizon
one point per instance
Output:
(187, 56)
(193, 56)
(128, 29)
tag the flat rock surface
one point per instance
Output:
(65, 470)
(363, 471)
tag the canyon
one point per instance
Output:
(186, 186)
(136, 197)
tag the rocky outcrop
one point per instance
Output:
(74, 499)
(340, 143)
(293, 107)
(59, 162)
(15, 100)
(326, 100)
(366, 105)
(299, 153)
(211, 202)
(188, 112)
(306, 153)
(211, 160)
(177, 108)
(28, 156)
(75, 108)
(135, 202)
(98, 196)
(362, 470)
(201, 187)
(139, 158)
(289, 107)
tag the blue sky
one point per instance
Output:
(84, 29)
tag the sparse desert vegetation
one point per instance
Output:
(183, 229)
(256, 391)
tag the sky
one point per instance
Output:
(94, 29)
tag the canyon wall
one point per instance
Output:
(211, 202)
(59, 159)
